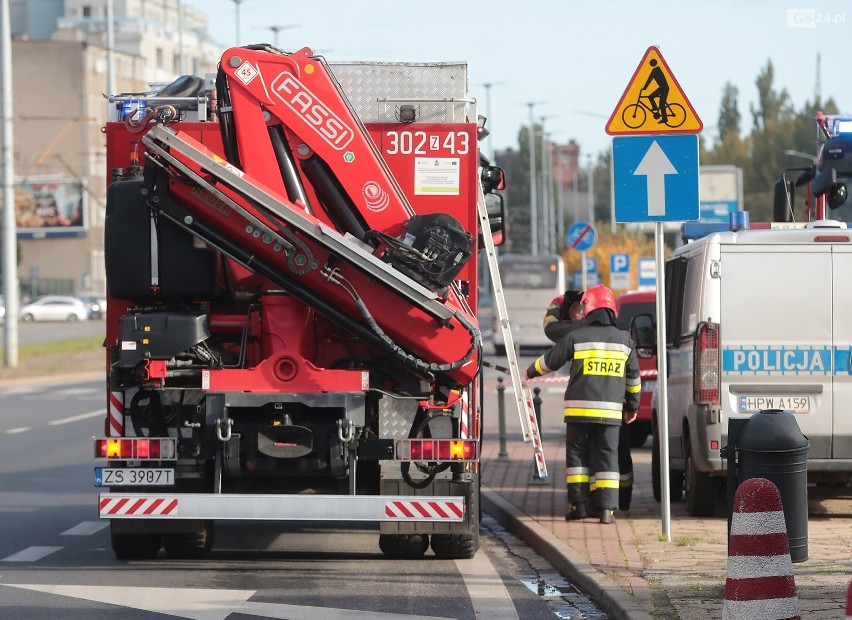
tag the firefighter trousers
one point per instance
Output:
(591, 458)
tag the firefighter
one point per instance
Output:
(564, 315)
(603, 391)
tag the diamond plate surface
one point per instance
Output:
(365, 83)
(396, 417)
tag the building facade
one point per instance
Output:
(59, 83)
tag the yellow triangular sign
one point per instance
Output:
(640, 111)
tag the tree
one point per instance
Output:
(729, 113)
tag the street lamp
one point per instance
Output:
(533, 197)
(237, 4)
(591, 190)
(276, 29)
(547, 190)
(487, 86)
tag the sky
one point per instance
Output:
(572, 60)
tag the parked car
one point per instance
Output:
(95, 304)
(629, 305)
(55, 308)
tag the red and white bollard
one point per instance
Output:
(760, 582)
(849, 602)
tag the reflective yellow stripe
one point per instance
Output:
(609, 414)
(540, 367)
(577, 479)
(604, 484)
(633, 389)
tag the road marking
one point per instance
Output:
(20, 429)
(86, 528)
(77, 418)
(488, 595)
(201, 604)
(31, 554)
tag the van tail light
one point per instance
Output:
(706, 365)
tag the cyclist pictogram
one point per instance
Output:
(653, 102)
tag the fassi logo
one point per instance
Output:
(314, 112)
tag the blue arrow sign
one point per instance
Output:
(581, 236)
(655, 178)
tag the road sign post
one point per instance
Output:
(582, 237)
(655, 178)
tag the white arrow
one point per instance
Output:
(200, 604)
(655, 166)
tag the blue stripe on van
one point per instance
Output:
(778, 360)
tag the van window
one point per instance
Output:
(675, 277)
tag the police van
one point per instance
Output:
(757, 319)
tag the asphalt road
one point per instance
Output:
(56, 560)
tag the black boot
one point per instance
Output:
(607, 516)
(577, 512)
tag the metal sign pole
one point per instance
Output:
(662, 388)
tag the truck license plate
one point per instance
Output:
(796, 404)
(135, 476)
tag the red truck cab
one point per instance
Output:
(630, 305)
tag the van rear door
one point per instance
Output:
(842, 327)
(776, 335)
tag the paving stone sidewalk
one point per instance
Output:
(630, 570)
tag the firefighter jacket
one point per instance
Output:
(604, 373)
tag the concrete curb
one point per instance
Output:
(608, 594)
(45, 380)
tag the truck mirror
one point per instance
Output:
(496, 209)
(782, 204)
(643, 330)
(493, 178)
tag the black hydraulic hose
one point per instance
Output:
(169, 208)
(334, 197)
(292, 182)
(226, 119)
(414, 362)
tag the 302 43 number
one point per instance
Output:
(424, 143)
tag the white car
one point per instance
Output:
(55, 308)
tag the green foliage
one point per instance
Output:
(776, 127)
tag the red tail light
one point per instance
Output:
(435, 450)
(136, 448)
(705, 368)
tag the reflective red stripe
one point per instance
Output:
(456, 509)
(401, 507)
(136, 506)
(153, 506)
(437, 508)
(422, 509)
(755, 589)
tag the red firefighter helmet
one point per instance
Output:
(598, 296)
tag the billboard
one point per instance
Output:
(720, 191)
(52, 207)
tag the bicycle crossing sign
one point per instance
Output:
(653, 102)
